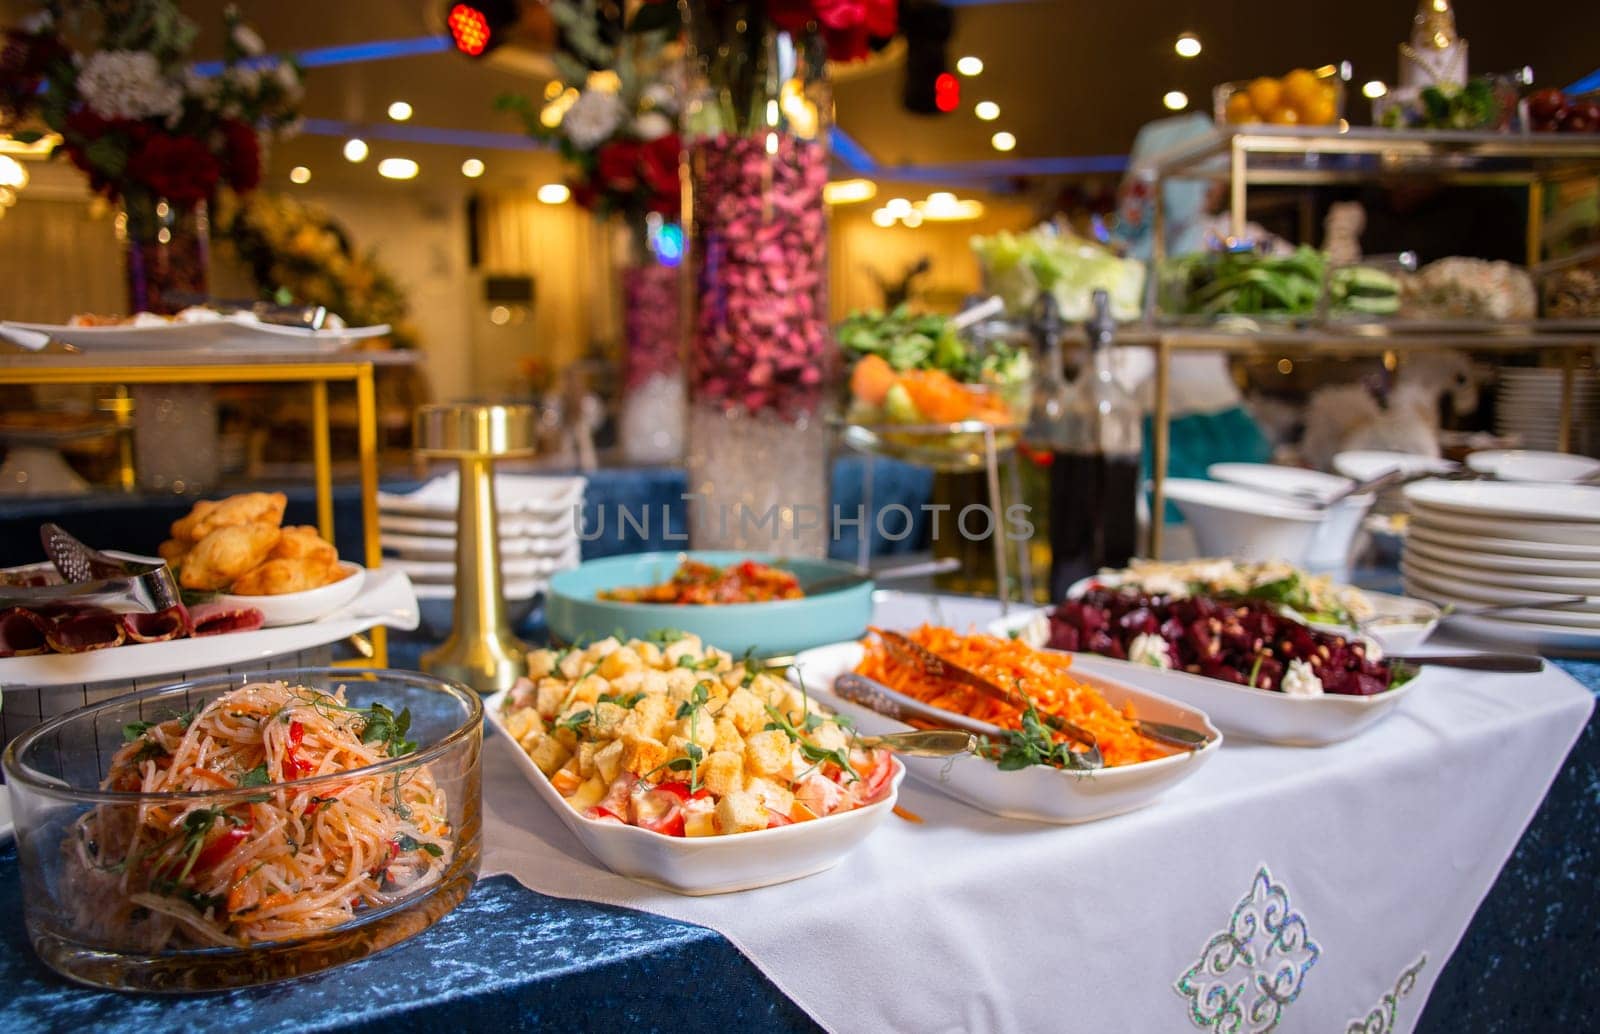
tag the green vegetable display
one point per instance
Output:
(1019, 266)
(929, 342)
(1250, 284)
(1473, 106)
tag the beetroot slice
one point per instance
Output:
(90, 628)
(172, 623)
(216, 619)
(22, 633)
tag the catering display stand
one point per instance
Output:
(123, 368)
(1325, 156)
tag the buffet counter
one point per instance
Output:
(977, 922)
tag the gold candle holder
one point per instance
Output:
(481, 651)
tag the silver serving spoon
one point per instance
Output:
(924, 743)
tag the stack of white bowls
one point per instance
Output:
(1528, 405)
(1472, 544)
(538, 537)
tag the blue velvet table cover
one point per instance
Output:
(515, 959)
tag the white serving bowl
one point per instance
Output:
(1531, 465)
(1330, 548)
(709, 865)
(1229, 520)
(297, 608)
(1257, 714)
(1038, 793)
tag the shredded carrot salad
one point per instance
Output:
(1008, 662)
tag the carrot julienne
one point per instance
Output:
(1044, 677)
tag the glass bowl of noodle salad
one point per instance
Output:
(246, 829)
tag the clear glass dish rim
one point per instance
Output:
(15, 772)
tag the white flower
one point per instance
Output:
(248, 40)
(1301, 681)
(201, 87)
(661, 96)
(1151, 650)
(246, 81)
(651, 125)
(287, 77)
(128, 84)
(593, 117)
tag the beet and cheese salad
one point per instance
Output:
(682, 739)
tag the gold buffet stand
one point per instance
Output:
(242, 367)
(1307, 156)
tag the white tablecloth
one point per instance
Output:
(1350, 872)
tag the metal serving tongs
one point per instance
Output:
(96, 577)
(934, 666)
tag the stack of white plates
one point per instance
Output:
(538, 533)
(1470, 544)
(1528, 405)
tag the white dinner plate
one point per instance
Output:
(1569, 533)
(1257, 714)
(1453, 591)
(706, 865)
(386, 598)
(1548, 640)
(1494, 544)
(1492, 499)
(297, 608)
(1511, 581)
(512, 569)
(514, 493)
(1037, 793)
(1366, 464)
(429, 547)
(1533, 465)
(1505, 564)
(511, 525)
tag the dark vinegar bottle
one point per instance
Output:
(1094, 470)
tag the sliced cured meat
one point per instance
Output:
(216, 619)
(22, 633)
(89, 628)
(172, 623)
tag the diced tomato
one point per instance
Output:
(876, 782)
(600, 814)
(293, 766)
(220, 846)
(774, 819)
(297, 732)
(659, 808)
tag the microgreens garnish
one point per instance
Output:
(1032, 745)
(626, 701)
(406, 842)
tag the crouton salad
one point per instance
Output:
(679, 738)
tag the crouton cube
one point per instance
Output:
(741, 813)
(642, 754)
(549, 696)
(549, 755)
(573, 664)
(681, 682)
(541, 663)
(588, 795)
(649, 653)
(765, 753)
(628, 683)
(620, 662)
(607, 718)
(608, 761)
(699, 819)
(723, 772)
(602, 648)
(585, 758)
(700, 730)
(745, 710)
(688, 646)
(589, 688)
(566, 736)
(716, 660)
(727, 737)
(829, 736)
(523, 722)
(778, 799)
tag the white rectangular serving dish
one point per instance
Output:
(1039, 794)
(707, 865)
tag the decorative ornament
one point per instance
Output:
(1436, 54)
(1381, 1019)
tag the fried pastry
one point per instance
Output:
(245, 508)
(276, 577)
(225, 554)
(182, 529)
(302, 542)
(174, 550)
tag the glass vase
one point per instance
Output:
(760, 349)
(650, 289)
(168, 249)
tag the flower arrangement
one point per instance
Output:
(616, 127)
(299, 254)
(132, 112)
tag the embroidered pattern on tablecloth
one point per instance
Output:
(1380, 1020)
(1249, 973)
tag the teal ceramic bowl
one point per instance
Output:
(574, 613)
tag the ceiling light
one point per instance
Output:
(1002, 141)
(12, 173)
(987, 110)
(883, 217)
(1374, 89)
(897, 207)
(472, 168)
(299, 174)
(1188, 45)
(355, 149)
(1175, 100)
(554, 193)
(399, 111)
(398, 169)
(912, 219)
(970, 66)
(849, 192)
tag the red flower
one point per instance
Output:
(241, 156)
(617, 165)
(845, 45)
(585, 194)
(791, 15)
(659, 166)
(178, 168)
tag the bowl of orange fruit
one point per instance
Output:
(1301, 97)
(919, 392)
